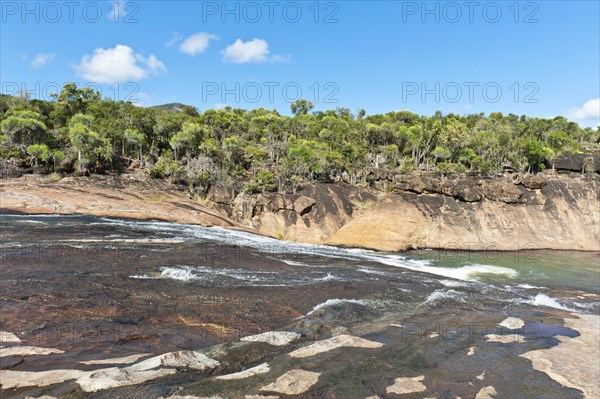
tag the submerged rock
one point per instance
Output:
(505, 339)
(260, 369)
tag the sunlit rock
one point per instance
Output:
(486, 393)
(116, 360)
(19, 379)
(574, 362)
(340, 341)
(293, 382)
(8, 337)
(404, 385)
(512, 323)
(276, 338)
(260, 369)
(28, 351)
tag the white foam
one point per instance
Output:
(465, 273)
(292, 263)
(369, 270)
(438, 295)
(188, 232)
(183, 274)
(531, 287)
(545, 300)
(329, 277)
(331, 302)
(453, 283)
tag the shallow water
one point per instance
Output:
(101, 287)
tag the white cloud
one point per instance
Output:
(117, 10)
(252, 51)
(589, 110)
(118, 64)
(177, 37)
(280, 58)
(42, 59)
(197, 44)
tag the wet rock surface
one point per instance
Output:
(174, 310)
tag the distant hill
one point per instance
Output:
(171, 107)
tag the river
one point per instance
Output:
(95, 288)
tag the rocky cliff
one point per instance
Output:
(428, 211)
(550, 211)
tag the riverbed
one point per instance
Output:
(93, 298)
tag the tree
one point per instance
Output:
(301, 107)
(37, 152)
(72, 100)
(82, 137)
(23, 127)
(133, 136)
(233, 152)
(559, 139)
(536, 153)
(188, 138)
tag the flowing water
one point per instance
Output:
(100, 288)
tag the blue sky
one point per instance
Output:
(535, 58)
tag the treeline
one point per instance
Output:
(80, 132)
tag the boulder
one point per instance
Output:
(534, 182)
(18, 162)
(418, 184)
(221, 194)
(467, 191)
(502, 190)
(8, 170)
(576, 162)
(244, 207)
(275, 202)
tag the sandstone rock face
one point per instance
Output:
(274, 202)
(107, 196)
(221, 194)
(390, 225)
(417, 183)
(547, 211)
(564, 214)
(311, 216)
(502, 191)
